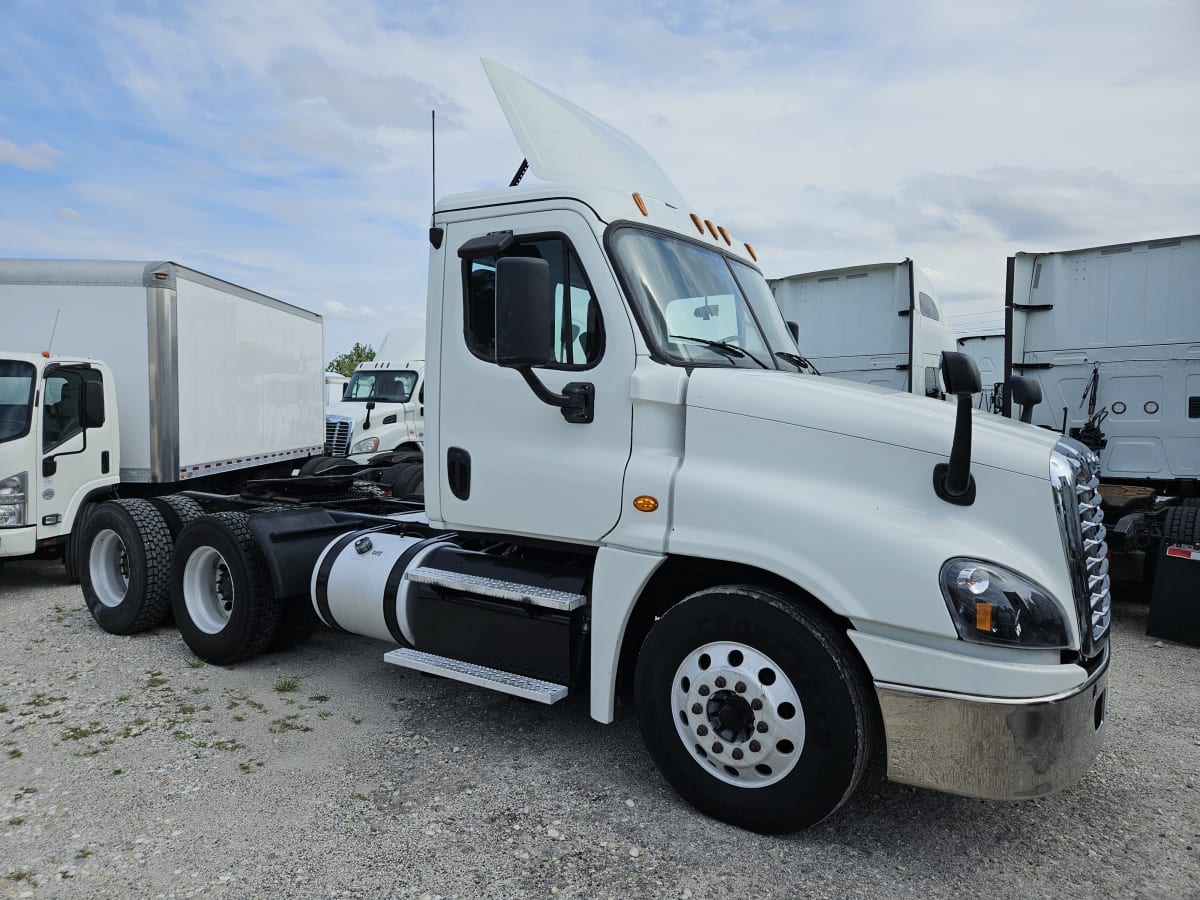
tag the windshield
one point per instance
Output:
(16, 398)
(697, 306)
(382, 386)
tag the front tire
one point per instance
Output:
(756, 710)
(124, 566)
(221, 594)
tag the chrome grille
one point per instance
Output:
(1074, 472)
(337, 435)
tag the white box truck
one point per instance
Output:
(1109, 338)
(380, 418)
(877, 324)
(138, 378)
(790, 572)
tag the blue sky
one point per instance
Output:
(283, 144)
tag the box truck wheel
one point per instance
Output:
(126, 560)
(177, 511)
(221, 592)
(755, 709)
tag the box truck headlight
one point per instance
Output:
(993, 605)
(370, 445)
(12, 500)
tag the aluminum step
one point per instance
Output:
(502, 590)
(506, 682)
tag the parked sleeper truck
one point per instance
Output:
(790, 572)
(877, 324)
(160, 377)
(1108, 338)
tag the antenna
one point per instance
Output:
(433, 162)
(53, 328)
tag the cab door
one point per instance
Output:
(508, 461)
(77, 454)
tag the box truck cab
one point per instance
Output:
(380, 418)
(792, 572)
(878, 324)
(58, 445)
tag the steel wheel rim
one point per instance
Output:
(208, 590)
(738, 714)
(108, 566)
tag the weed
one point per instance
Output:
(186, 710)
(355, 719)
(239, 718)
(16, 820)
(19, 875)
(195, 664)
(118, 771)
(287, 723)
(155, 679)
(79, 732)
(286, 685)
(228, 744)
(15, 753)
(325, 713)
(319, 698)
(358, 796)
(83, 853)
(41, 698)
(123, 698)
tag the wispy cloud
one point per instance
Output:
(32, 156)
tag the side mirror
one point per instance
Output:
(370, 405)
(794, 328)
(524, 313)
(93, 404)
(1027, 394)
(952, 482)
(960, 374)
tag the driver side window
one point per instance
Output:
(62, 409)
(579, 327)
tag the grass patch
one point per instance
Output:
(15, 753)
(17, 820)
(287, 723)
(237, 717)
(79, 732)
(228, 744)
(41, 698)
(358, 796)
(155, 679)
(319, 698)
(250, 765)
(325, 713)
(118, 771)
(83, 853)
(123, 698)
(355, 719)
(20, 875)
(195, 664)
(286, 685)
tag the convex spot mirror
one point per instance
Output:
(524, 313)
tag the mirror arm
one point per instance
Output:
(577, 402)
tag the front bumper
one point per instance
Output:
(18, 541)
(994, 749)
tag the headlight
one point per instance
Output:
(993, 605)
(12, 500)
(370, 445)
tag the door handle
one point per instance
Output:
(458, 472)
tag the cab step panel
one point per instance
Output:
(494, 679)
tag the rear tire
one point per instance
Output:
(299, 620)
(177, 511)
(221, 592)
(404, 479)
(125, 563)
(756, 710)
(1181, 524)
(319, 464)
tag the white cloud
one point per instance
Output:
(32, 156)
(67, 214)
(342, 311)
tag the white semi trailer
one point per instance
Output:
(154, 377)
(877, 324)
(791, 572)
(1109, 337)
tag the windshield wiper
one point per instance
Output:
(798, 361)
(722, 347)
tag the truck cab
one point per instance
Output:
(58, 445)
(380, 418)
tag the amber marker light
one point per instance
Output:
(45, 354)
(725, 235)
(712, 229)
(161, 276)
(637, 198)
(983, 616)
(696, 221)
(750, 250)
(645, 503)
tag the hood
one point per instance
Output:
(871, 413)
(564, 143)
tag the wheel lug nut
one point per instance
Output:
(737, 753)
(717, 748)
(720, 681)
(755, 746)
(756, 704)
(740, 687)
(695, 709)
(702, 730)
(702, 690)
(761, 727)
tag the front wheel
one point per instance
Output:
(756, 710)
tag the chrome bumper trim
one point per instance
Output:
(994, 748)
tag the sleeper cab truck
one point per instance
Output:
(788, 573)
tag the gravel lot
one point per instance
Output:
(129, 768)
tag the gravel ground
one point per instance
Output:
(130, 768)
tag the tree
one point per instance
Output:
(345, 363)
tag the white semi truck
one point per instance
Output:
(153, 377)
(791, 573)
(380, 418)
(1108, 338)
(877, 324)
